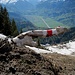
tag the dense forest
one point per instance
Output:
(7, 26)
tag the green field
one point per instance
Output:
(38, 21)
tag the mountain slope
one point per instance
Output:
(21, 22)
(19, 6)
(43, 22)
(23, 61)
(14, 1)
(62, 11)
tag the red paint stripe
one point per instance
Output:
(49, 32)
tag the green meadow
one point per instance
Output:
(44, 22)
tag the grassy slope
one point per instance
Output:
(67, 19)
(37, 21)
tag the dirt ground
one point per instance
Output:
(66, 63)
(23, 61)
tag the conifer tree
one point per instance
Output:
(14, 28)
(6, 22)
(1, 19)
(6, 26)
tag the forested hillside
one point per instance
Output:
(7, 26)
(63, 11)
(60, 10)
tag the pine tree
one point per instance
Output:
(1, 19)
(6, 22)
(6, 26)
(14, 28)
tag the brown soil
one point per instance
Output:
(66, 63)
(23, 61)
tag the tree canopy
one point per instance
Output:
(7, 26)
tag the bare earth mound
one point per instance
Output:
(23, 61)
(65, 63)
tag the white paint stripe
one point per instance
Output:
(44, 32)
(54, 31)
